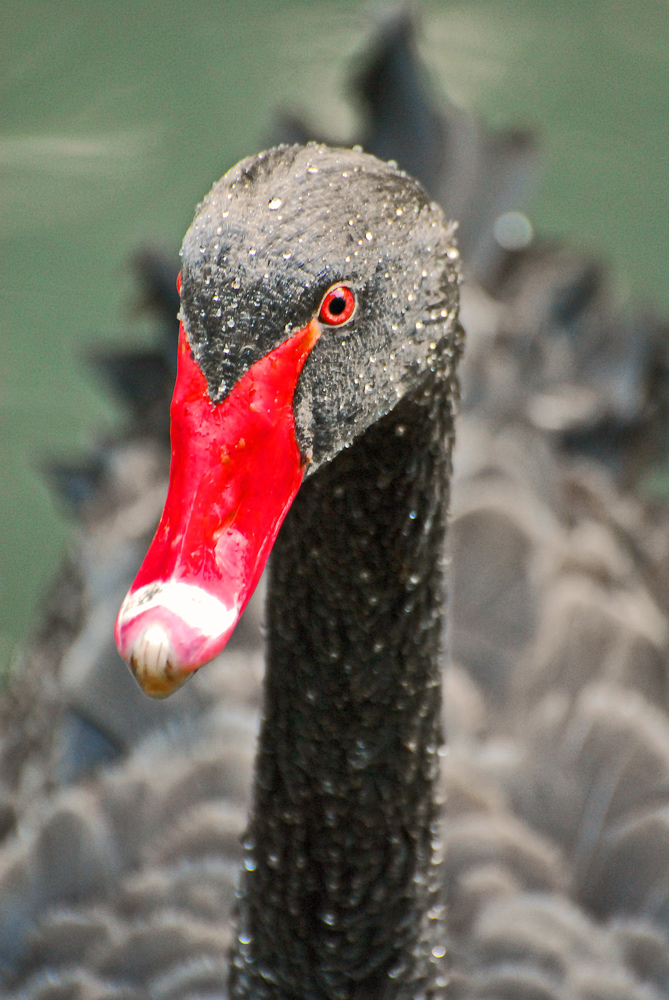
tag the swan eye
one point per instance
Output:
(338, 306)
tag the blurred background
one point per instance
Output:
(118, 117)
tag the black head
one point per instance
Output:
(269, 240)
(275, 376)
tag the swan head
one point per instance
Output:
(318, 287)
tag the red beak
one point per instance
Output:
(235, 470)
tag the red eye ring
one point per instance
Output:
(338, 305)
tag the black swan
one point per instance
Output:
(120, 886)
(123, 887)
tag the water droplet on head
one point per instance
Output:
(274, 204)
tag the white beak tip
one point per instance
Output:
(152, 663)
(166, 630)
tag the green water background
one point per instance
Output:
(115, 118)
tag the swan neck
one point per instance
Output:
(340, 895)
